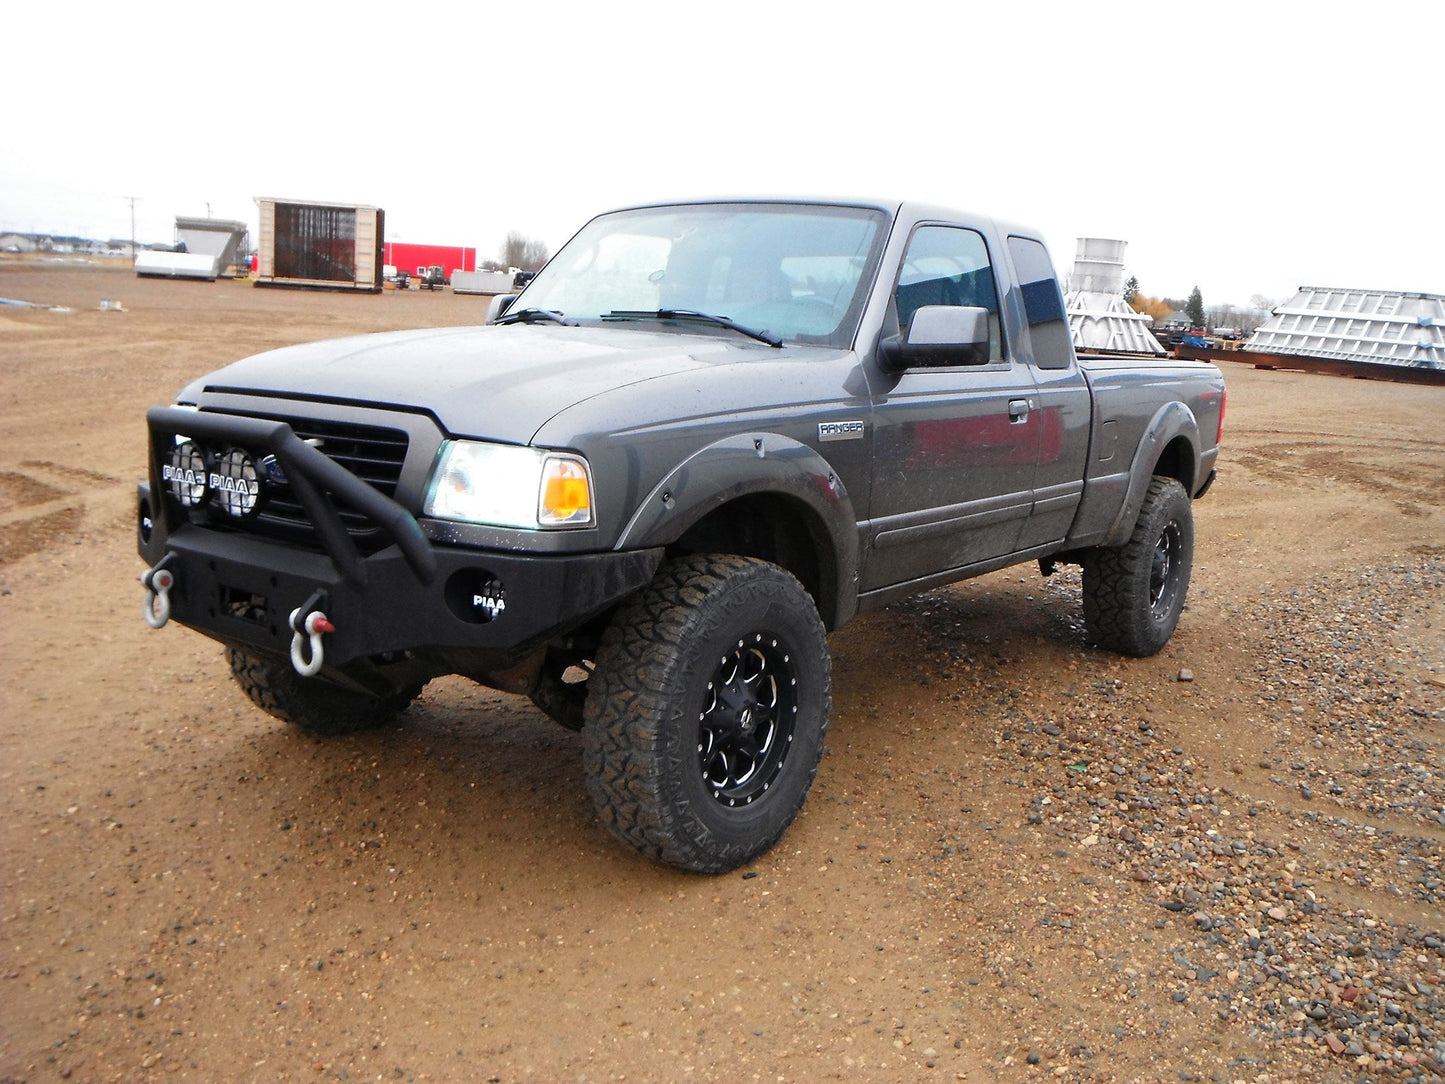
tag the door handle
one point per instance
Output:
(1018, 410)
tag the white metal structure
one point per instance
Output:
(176, 265)
(1099, 317)
(482, 282)
(206, 247)
(1386, 327)
(218, 237)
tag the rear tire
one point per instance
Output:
(710, 702)
(1134, 593)
(317, 707)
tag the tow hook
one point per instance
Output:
(308, 625)
(157, 581)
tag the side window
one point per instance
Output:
(947, 265)
(1043, 303)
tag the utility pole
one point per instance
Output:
(132, 227)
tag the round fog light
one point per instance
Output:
(235, 483)
(184, 473)
(476, 596)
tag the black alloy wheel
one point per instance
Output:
(1168, 551)
(747, 718)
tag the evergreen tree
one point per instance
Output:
(1131, 291)
(1195, 309)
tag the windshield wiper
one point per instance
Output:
(693, 314)
(534, 316)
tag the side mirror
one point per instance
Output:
(939, 336)
(499, 306)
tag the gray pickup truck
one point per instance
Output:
(702, 437)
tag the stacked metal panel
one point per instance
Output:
(1384, 327)
(1099, 317)
(176, 265)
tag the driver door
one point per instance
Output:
(954, 450)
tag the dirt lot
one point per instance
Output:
(1023, 858)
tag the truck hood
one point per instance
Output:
(498, 382)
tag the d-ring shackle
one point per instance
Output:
(157, 581)
(307, 628)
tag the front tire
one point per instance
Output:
(317, 707)
(1134, 593)
(707, 713)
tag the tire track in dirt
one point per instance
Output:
(1404, 471)
(43, 503)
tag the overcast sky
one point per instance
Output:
(1247, 148)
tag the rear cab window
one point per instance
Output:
(1043, 303)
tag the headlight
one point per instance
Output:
(506, 486)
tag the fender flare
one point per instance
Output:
(750, 464)
(1171, 421)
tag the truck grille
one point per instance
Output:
(375, 454)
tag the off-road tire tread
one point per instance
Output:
(316, 707)
(630, 701)
(1116, 611)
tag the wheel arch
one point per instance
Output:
(1169, 447)
(759, 495)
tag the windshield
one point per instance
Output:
(790, 271)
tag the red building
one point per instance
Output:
(415, 259)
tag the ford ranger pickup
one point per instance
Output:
(701, 438)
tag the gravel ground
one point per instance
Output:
(1289, 891)
(1258, 921)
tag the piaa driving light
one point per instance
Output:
(234, 480)
(184, 472)
(506, 486)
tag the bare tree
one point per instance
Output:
(1222, 316)
(523, 252)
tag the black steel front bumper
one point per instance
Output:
(410, 595)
